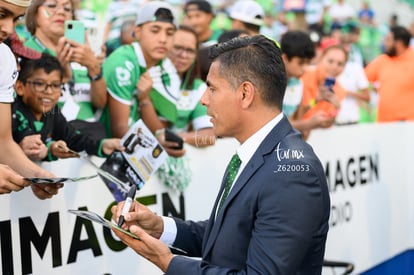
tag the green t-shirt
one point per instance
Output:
(293, 96)
(212, 39)
(122, 70)
(75, 101)
(190, 109)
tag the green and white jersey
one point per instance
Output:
(75, 101)
(293, 96)
(190, 109)
(212, 39)
(122, 70)
(35, 44)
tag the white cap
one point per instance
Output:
(20, 3)
(247, 11)
(148, 13)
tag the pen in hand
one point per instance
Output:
(127, 204)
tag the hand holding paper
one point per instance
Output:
(89, 215)
(140, 215)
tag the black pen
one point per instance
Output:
(127, 204)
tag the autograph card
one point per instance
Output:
(92, 216)
(58, 180)
(143, 155)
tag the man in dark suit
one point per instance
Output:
(275, 217)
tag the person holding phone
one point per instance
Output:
(84, 92)
(14, 165)
(322, 94)
(298, 50)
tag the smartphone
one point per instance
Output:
(330, 83)
(75, 30)
(171, 136)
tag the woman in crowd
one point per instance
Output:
(85, 89)
(321, 91)
(193, 124)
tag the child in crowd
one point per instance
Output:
(298, 51)
(38, 126)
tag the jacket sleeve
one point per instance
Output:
(74, 139)
(190, 236)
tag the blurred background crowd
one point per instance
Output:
(347, 62)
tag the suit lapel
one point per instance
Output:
(266, 147)
(211, 221)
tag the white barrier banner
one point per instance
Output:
(368, 167)
(371, 181)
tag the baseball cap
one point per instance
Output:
(198, 5)
(247, 11)
(21, 3)
(328, 42)
(156, 11)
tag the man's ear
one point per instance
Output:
(248, 92)
(19, 87)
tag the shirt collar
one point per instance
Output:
(249, 147)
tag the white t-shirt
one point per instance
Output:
(352, 79)
(314, 10)
(8, 74)
(341, 12)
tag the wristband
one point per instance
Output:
(96, 77)
(144, 103)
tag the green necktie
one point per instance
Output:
(233, 168)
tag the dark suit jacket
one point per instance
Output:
(274, 221)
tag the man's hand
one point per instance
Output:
(10, 180)
(147, 246)
(45, 191)
(148, 227)
(144, 86)
(140, 215)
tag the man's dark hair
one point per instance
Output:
(297, 44)
(164, 15)
(46, 62)
(198, 5)
(256, 59)
(230, 34)
(402, 34)
(253, 28)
